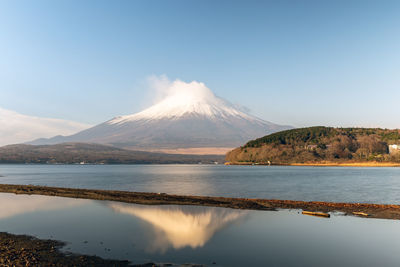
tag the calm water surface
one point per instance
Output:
(202, 235)
(371, 185)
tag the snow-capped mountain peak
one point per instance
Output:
(185, 99)
(188, 117)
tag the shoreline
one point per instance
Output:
(25, 250)
(322, 164)
(381, 211)
(349, 164)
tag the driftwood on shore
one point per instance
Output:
(373, 210)
(358, 213)
(319, 214)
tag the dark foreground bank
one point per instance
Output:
(22, 250)
(357, 209)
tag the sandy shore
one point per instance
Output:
(373, 210)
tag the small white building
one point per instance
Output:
(394, 148)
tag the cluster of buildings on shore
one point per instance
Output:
(394, 148)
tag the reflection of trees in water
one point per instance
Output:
(181, 227)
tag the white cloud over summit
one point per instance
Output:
(161, 88)
(18, 128)
(179, 90)
(177, 99)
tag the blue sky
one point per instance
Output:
(291, 62)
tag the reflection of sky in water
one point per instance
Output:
(189, 234)
(181, 226)
(12, 205)
(181, 180)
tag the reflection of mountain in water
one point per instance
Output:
(181, 226)
(12, 205)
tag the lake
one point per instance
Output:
(202, 235)
(337, 184)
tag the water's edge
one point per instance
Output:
(381, 211)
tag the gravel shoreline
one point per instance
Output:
(23, 250)
(382, 211)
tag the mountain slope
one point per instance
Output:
(190, 116)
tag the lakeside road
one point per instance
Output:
(349, 164)
(382, 211)
(323, 164)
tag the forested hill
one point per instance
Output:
(316, 144)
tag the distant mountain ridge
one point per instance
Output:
(191, 116)
(77, 153)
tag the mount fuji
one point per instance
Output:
(189, 119)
